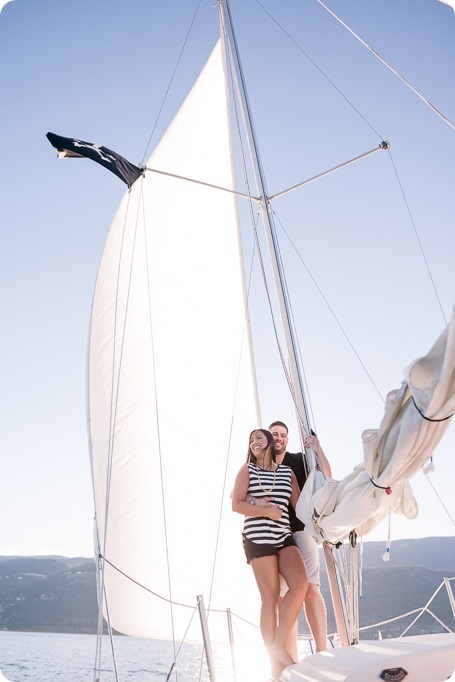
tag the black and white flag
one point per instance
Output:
(71, 147)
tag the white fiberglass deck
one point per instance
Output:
(424, 658)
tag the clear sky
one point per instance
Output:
(99, 71)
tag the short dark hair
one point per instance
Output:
(278, 424)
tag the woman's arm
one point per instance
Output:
(239, 495)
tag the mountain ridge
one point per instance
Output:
(52, 593)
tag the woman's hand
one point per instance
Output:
(272, 512)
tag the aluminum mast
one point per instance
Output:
(278, 273)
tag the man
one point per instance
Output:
(315, 610)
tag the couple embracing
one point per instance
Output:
(284, 558)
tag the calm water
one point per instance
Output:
(42, 657)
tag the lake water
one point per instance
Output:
(43, 657)
(39, 657)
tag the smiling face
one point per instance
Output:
(260, 447)
(280, 439)
(258, 442)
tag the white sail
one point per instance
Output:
(169, 369)
(450, 3)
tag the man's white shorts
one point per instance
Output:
(309, 549)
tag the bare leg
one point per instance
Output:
(316, 615)
(265, 571)
(292, 568)
(315, 610)
(292, 641)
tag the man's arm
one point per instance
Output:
(319, 452)
(261, 501)
(295, 490)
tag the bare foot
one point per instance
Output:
(279, 654)
(276, 669)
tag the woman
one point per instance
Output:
(268, 542)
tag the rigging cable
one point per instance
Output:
(158, 431)
(171, 80)
(245, 325)
(155, 594)
(425, 608)
(176, 655)
(439, 498)
(417, 236)
(112, 414)
(444, 118)
(427, 266)
(420, 611)
(222, 496)
(329, 307)
(242, 341)
(310, 405)
(299, 47)
(156, 399)
(111, 638)
(321, 71)
(390, 67)
(341, 327)
(368, 123)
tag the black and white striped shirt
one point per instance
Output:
(277, 485)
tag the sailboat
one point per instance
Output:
(191, 295)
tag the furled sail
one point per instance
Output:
(415, 419)
(171, 385)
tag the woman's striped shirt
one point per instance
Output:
(261, 529)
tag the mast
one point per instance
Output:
(270, 231)
(295, 370)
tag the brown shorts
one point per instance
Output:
(253, 550)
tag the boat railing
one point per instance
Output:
(418, 613)
(307, 646)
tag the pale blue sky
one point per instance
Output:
(99, 71)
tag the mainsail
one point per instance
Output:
(171, 379)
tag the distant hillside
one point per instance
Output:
(432, 553)
(58, 594)
(48, 594)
